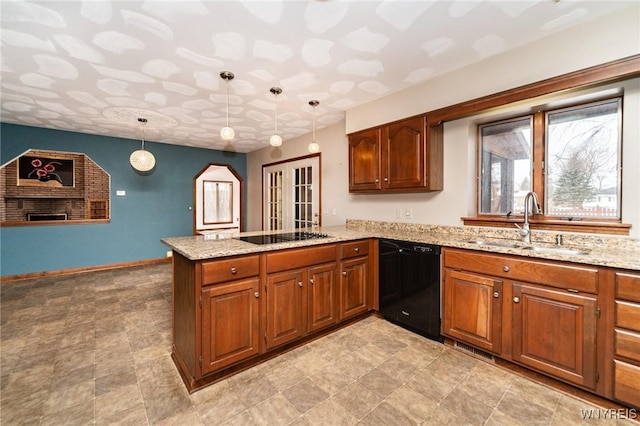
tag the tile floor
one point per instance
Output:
(94, 348)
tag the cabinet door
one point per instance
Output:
(473, 309)
(555, 332)
(230, 323)
(285, 305)
(322, 296)
(353, 287)
(404, 154)
(364, 160)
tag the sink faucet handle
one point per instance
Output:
(524, 231)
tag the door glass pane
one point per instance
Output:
(505, 166)
(274, 201)
(583, 161)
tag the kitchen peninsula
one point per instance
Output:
(236, 303)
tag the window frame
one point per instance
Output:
(542, 221)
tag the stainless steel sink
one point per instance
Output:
(494, 243)
(557, 250)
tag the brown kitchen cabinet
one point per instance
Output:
(300, 298)
(626, 331)
(230, 323)
(398, 157)
(216, 314)
(473, 307)
(555, 332)
(355, 281)
(231, 313)
(537, 313)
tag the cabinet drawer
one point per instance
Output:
(627, 344)
(628, 287)
(300, 258)
(628, 315)
(354, 249)
(220, 271)
(553, 274)
(626, 387)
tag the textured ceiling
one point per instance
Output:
(96, 66)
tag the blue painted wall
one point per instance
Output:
(155, 206)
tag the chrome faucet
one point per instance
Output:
(525, 231)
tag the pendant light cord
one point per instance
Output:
(275, 113)
(227, 103)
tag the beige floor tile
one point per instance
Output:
(116, 401)
(80, 414)
(220, 409)
(412, 404)
(305, 395)
(357, 400)
(385, 414)
(330, 412)
(277, 410)
(95, 349)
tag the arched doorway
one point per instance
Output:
(218, 199)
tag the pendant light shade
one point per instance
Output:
(313, 146)
(142, 160)
(227, 132)
(275, 140)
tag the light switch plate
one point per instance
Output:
(121, 193)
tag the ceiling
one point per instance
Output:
(97, 66)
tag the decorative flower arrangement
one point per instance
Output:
(44, 172)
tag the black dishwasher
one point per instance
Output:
(409, 286)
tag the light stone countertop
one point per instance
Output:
(611, 251)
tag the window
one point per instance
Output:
(571, 158)
(583, 161)
(505, 169)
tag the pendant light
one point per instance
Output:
(142, 160)
(275, 140)
(313, 146)
(227, 132)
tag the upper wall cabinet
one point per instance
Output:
(403, 156)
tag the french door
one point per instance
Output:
(291, 194)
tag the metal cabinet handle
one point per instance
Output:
(311, 281)
(357, 249)
(299, 283)
(344, 273)
(496, 294)
(386, 179)
(377, 180)
(234, 270)
(256, 294)
(516, 299)
(505, 268)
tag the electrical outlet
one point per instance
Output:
(333, 211)
(169, 253)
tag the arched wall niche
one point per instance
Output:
(218, 197)
(44, 187)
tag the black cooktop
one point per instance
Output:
(282, 237)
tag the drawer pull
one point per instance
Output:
(299, 283)
(516, 299)
(344, 273)
(505, 268)
(234, 271)
(496, 294)
(572, 290)
(357, 249)
(311, 281)
(256, 294)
